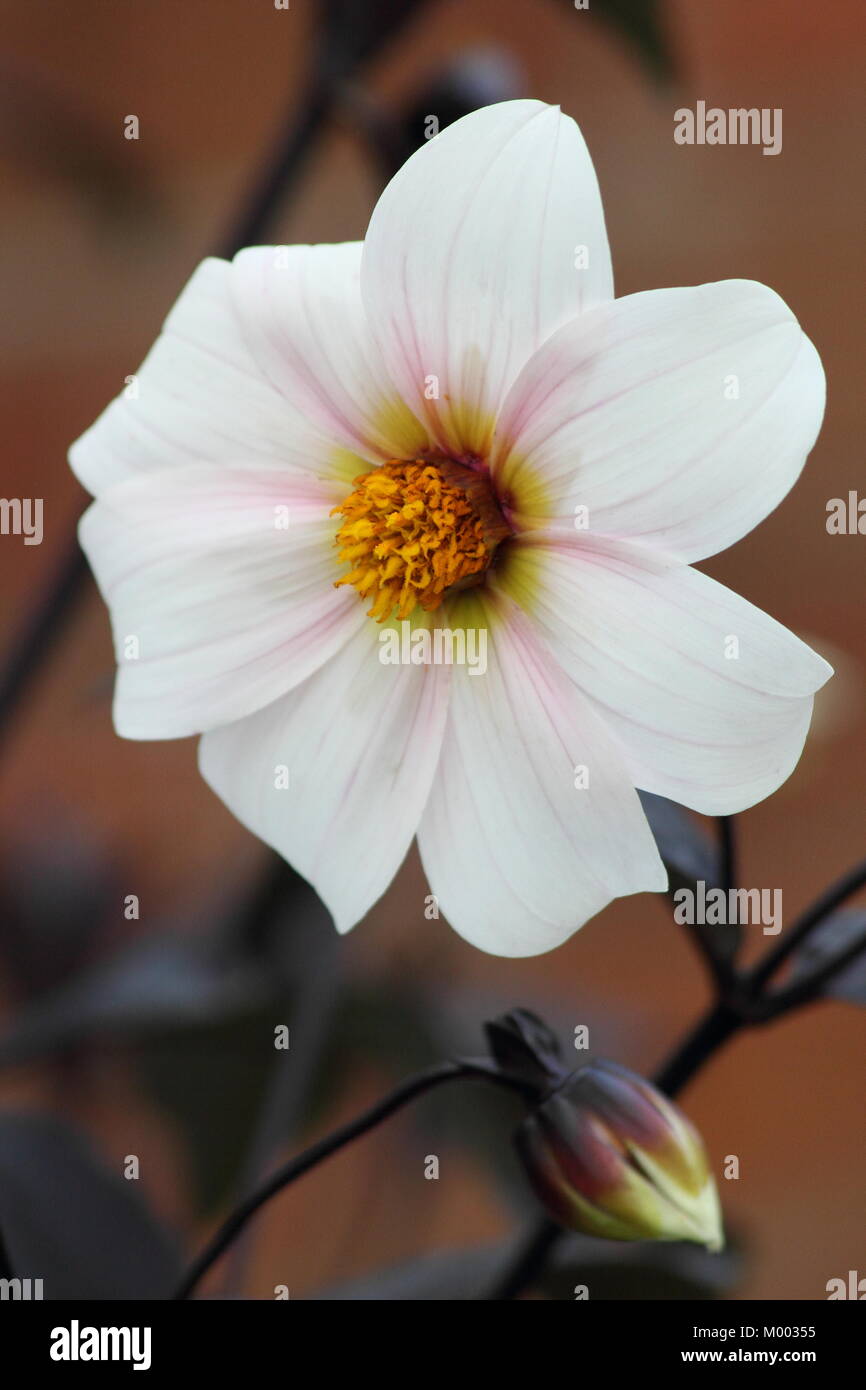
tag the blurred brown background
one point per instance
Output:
(85, 288)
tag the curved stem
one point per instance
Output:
(362, 1124)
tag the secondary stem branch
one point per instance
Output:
(832, 898)
(362, 1124)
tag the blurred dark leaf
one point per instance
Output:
(211, 1081)
(353, 31)
(311, 959)
(57, 889)
(234, 1097)
(68, 1221)
(474, 78)
(456, 1275)
(640, 23)
(690, 856)
(200, 1008)
(688, 853)
(176, 978)
(610, 1270)
(164, 981)
(383, 1023)
(828, 941)
(640, 1271)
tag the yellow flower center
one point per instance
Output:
(414, 530)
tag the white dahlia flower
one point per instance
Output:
(340, 466)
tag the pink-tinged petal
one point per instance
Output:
(220, 586)
(677, 417)
(302, 318)
(199, 397)
(708, 698)
(334, 776)
(518, 851)
(474, 255)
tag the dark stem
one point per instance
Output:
(714, 1029)
(257, 920)
(386, 135)
(528, 1261)
(829, 900)
(728, 856)
(362, 1124)
(279, 904)
(721, 968)
(284, 167)
(811, 986)
(34, 643)
(39, 630)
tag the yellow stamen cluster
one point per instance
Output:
(415, 529)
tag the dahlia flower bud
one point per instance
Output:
(610, 1156)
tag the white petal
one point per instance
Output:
(678, 417)
(302, 317)
(708, 697)
(359, 741)
(516, 853)
(216, 607)
(200, 397)
(470, 261)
